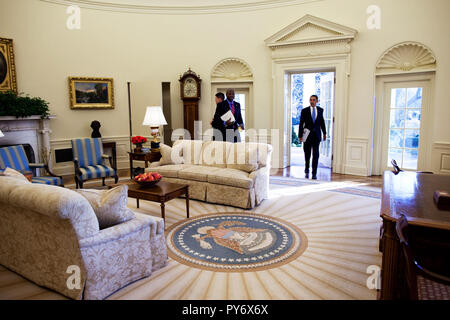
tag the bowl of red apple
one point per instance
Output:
(148, 179)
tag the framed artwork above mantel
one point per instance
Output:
(91, 93)
(8, 80)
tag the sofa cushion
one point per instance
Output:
(170, 170)
(231, 177)
(171, 155)
(243, 156)
(191, 150)
(197, 173)
(214, 153)
(110, 206)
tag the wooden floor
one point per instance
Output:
(325, 174)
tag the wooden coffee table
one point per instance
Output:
(161, 192)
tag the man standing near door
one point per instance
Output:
(311, 118)
(216, 122)
(231, 128)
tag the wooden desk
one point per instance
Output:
(411, 194)
(143, 156)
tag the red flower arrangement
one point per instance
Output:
(138, 139)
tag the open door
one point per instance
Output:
(326, 101)
(302, 86)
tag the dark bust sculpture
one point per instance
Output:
(95, 125)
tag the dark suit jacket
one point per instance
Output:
(306, 122)
(223, 108)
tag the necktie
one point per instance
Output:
(232, 107)
(314, 115)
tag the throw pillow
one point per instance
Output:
(243, 156)
(110, 206)
(214, 153)
(15, 174)
(170, 155)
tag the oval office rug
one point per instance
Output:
(235, 242)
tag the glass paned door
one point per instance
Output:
(404, 126)
(326, 102)
(241, 96)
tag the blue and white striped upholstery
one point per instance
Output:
(88, 152)
(55, 181)
(15, 158)
(97, 171)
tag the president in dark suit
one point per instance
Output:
(229, 129)
(311, 118)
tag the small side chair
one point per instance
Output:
(89, 161)
(14, 157)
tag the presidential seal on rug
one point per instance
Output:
(235, 242)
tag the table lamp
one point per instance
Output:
(154, 118)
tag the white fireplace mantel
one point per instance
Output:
(32, 130)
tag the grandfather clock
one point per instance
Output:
(190, 94)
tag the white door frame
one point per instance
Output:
(289, 108)
(281, 68)
(385, 82)
(250, 111)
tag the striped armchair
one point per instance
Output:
(88, 159)
(15, 158)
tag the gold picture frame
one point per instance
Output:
(8, 80)
(91, 93)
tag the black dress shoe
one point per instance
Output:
(314, 177)
(307, 175)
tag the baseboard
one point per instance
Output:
(356, 171)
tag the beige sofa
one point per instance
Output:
(47, 232)
(235, 174)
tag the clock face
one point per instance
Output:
(190, 87)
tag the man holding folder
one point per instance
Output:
(311, 123)
(229, 113)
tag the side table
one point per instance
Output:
(143, 156)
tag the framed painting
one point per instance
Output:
(91, 93)
(7, 67)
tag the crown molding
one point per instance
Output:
(178, 7)
(326, 31)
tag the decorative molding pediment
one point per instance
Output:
(309, 30)
(231, 69)
(406, 57)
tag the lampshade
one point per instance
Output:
(1, 134)
(154, 117)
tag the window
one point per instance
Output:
(404, 126)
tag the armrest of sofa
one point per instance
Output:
(121, 230)
(155, 164)
(261, 183)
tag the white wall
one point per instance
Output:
(147, 49)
